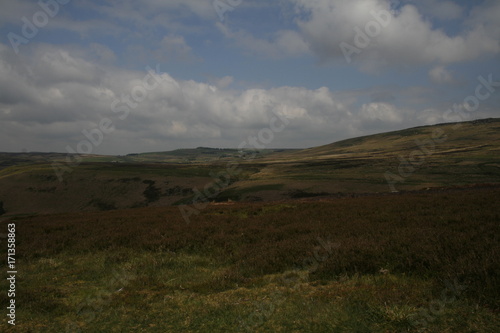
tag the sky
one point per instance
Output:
(129, 76)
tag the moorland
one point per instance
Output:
(392, 232)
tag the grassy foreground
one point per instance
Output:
(414, 262)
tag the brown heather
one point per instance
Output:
(449, 234)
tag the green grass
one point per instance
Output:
(163, 291)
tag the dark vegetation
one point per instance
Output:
(102, 205)
(296, 194)
(237, 194)
(440, 235)
(151, 193)
(147, 270)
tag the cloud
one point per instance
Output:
(62, 94)
(49, 97)
(380, 113)
(54, 65)
(485, 17)
(102, 53)
(174, 48)
(441, 75)
(407, 39)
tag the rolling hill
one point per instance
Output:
(444, 155)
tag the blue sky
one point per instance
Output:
(226, 67)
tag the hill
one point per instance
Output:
(459, 154)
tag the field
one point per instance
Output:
(394, 263)
(339, 238)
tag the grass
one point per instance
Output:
(249, 267)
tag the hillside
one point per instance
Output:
(443, 155)
(453, 136)
(413, 159)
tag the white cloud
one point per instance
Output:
(48, 96)
(381, 113)
(407, 39)
(441, 75)
(58, 65)
(291, 43)
(63, 94)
